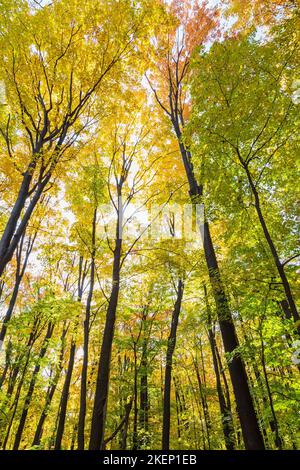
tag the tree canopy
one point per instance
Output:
(149, 225)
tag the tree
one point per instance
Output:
(52, 107)
(122, 326)
(254, 119)
(174, 78)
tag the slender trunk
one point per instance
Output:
(10, 309)
(274, 427)
(15, 228)
(168, 370)
(204, 396)
(40, 426)
(203, 403)
(13, 408)
(17, 364)
(64, 397)
(15, 402)
(126, 424)
(182, 406)
(279, 265)
(8, 354)
(194, 400)
(224, 378)
(135, 400)
(226, 417)
(66, 388)
(74, 435)
(144, 398)
(20, 270)
(50, 393)
(262, 386)
(260, 412)
(31, 387)
(86, 329)
(251, 433)
(14, 218)
(102, 383)
(123, 423)
(177, 399)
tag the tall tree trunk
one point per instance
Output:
(17, 223)
(135, 400)
(274, 425)
(265, 393)
(251, 432)
(8, 354)
(204, 397)
(10, 308)
(86, 330)
(246, 412)
(15, 227)
(14, 217)
(64, 397)
(32, 386)
(203, 403)
(66, 388)
(50, 393)
(20, 270)
(13, 408)
(226, 416)
(123, 423)
(278, 264)
(144, 398)
(168, 369)
(102, 383)
(126, 425)
(178, 409)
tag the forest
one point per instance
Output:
(149, 225)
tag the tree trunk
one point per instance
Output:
(125, 429)
(203, 403)
(65, 393)
(20, 270)
(226, 416)
(14, 218)
(135, 400)
(279, 265)
(8, 354)
(15, 227)
(273, 421)
(178, 414)
(13, 408)
(102, 383)
(31, 387)
(50, 393)
(144, 398)
(86, 328)
(168, 370)
(64, 397)
(123, 423)
(251, 433)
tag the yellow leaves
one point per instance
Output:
(258, 12)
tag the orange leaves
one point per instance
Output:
(189, 25)
(196, 23)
